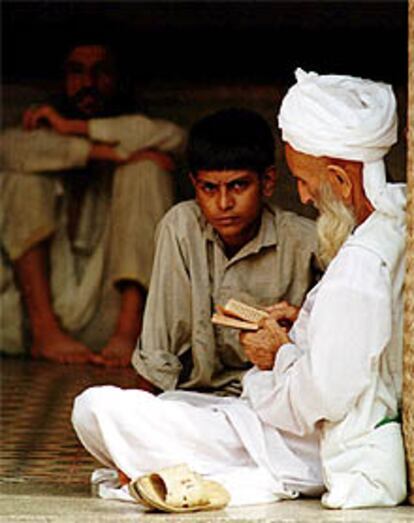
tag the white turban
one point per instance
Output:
(349, 118)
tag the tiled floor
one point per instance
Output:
(38, 443)
(44, 471)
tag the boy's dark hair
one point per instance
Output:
(231, 139)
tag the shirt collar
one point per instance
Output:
(267, 235)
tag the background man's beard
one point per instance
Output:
(334, 225)
(88, 103)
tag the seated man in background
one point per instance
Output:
(83, 187)
(319, 409)
(227, 244)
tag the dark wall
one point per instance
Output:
(214, 42)
(190, 58)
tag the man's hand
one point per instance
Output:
(261, 347)
(37, 117)
(284, 313)
(103, 152)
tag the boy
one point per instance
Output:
(227, 244)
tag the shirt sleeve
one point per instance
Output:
(136, 132)
(166, 330)
(41, 151)
(348, 327)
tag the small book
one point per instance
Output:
(238, 315)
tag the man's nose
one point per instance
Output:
(226, 200)
(88, 79)
(304, 195)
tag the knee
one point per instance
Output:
(83, 407)
(153, 160)
(141, 172)
(143, 185)
(37, 183)
(88, 406)
(44, 192)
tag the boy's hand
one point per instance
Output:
(261, 347)
(284, 313)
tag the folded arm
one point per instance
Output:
(133, 133)
(118, 139)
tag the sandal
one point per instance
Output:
(178, 489)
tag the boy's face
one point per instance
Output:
(232, 202)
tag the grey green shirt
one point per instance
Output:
(179, 346)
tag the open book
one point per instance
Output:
(238, 315)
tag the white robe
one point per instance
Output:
(313, 416)
(118, 202)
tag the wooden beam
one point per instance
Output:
(408, 381)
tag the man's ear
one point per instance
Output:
(269, 182)
(341, 181)
(193, 179)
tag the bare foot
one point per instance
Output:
(123, 478)
(60, 347)
(117, 352)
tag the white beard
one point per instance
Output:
(335, 223)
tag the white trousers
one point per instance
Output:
(136, 432)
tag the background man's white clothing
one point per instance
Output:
(118, 214)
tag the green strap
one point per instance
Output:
(389, 419)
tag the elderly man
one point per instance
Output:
(338, 372)
(83, 187)
(319, 411)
